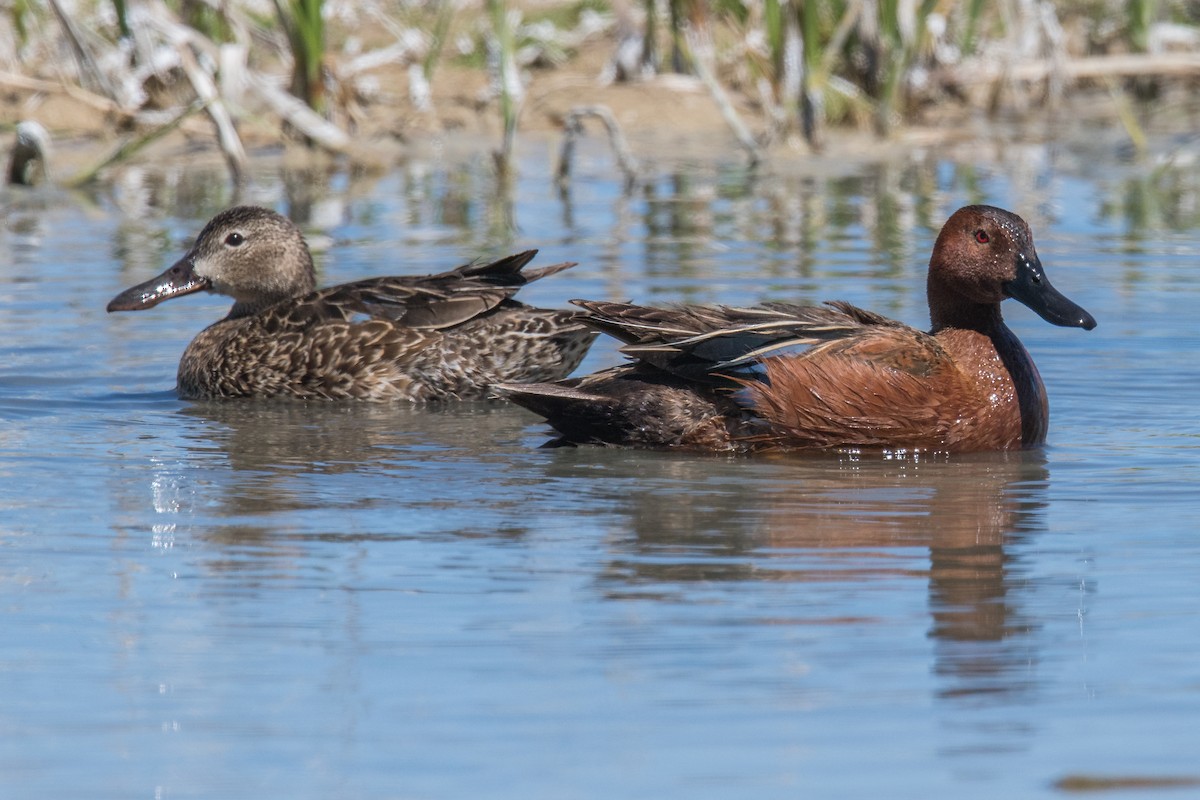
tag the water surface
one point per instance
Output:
(314, 600)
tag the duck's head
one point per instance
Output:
(249, 253)
(983, 256)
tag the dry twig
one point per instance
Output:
(132, 146)
(573, 128)
(296, 113)
(724, 105)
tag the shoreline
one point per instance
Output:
(665, 116)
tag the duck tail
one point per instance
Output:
(620, 408)
(548, 400)
(531, 275)
(511, 269)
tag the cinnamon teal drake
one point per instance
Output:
(782, 376)
(436, 337)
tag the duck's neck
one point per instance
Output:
(947, 310)
(290, 284)
(977, 336)
(246, 308)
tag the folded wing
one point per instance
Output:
(711, 343)
(431, 302)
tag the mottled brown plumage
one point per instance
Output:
(782, 376)
(436, 337)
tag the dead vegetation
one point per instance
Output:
(364, 80)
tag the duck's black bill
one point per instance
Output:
(178, 280)
(1033, 289)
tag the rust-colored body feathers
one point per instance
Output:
(785, 376)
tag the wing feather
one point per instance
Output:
(712, 343)
(429, 302)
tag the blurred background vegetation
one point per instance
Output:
(777, 70)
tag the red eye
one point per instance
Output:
(981, 237)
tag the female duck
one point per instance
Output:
(828, 377)
(437, 337)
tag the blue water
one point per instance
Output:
(310, 601)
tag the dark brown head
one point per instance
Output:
(251, 254)
(983, 256)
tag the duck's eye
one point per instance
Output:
(981, 236)
(234, 239)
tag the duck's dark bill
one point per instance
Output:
(1032, 288)
(178, 279)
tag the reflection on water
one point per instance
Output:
(851, 519)
(685, 520)
(258, 480)
(311, 600)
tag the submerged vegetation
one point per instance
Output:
(777, 71)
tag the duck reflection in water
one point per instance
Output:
(273, 476)
(846, 520)
(271, 447)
